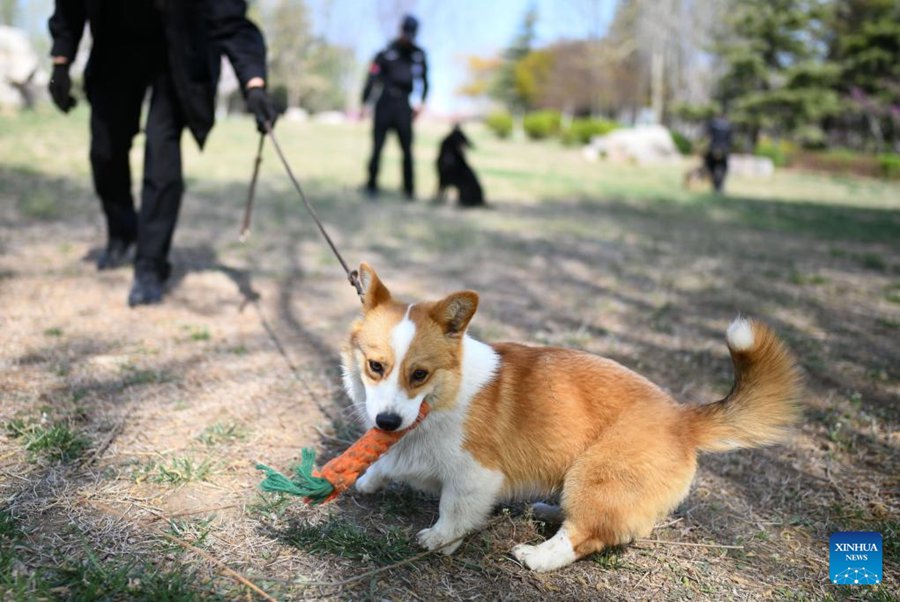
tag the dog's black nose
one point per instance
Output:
(388, 422)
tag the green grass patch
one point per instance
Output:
(53, 332)
(810, 279)
(270, 505)
(222, 432)
(194, 531)
(199, 334)
(340, 537)
(178, 471)
(39, 203)
(892, 293)
(134, 376)
(401, 501)
(95, 579)
(872, 261)
(87, 577)
(56, 441)
(610, 559)
(888, 323)
(13, 584)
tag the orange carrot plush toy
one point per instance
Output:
(340, 473)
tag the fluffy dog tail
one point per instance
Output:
(764, 401)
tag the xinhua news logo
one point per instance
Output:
(855, 558)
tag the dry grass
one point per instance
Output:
(159, 414)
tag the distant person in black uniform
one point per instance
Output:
(716, 158)
(396, 69)
(172, 48)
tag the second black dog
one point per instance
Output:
(454, 171)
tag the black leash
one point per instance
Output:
(352, 275)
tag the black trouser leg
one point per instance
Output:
(379, 132)
(115, 119)
(403, 121)
(163, 184)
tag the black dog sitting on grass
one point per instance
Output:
(454, 171)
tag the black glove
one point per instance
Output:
(61, 88)
(259, 103)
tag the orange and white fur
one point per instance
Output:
(517, 421)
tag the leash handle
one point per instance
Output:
(352, 275)
(251, 193)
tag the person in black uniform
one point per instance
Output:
(716, 158)
(174, 49)
(396, 69)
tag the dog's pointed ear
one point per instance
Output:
(454, 313)
(374, 293)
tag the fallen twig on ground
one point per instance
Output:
(689, 543)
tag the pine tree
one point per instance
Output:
(865, 46)
(774, 79)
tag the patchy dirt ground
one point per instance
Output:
(125, 432)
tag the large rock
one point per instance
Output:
(644, 145)
(330, 117)
(751, 166)
(18, 66)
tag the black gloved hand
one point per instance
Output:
(61, 87)
(259, 103)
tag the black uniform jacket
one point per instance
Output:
(397, 67)
(195, 32)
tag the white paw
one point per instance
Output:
(532, 557)
(554, 553)
(370, 483)
(433, 539)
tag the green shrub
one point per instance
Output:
(810, 137)
(541, 124)
(500, 122)
(682, 143)
(581, 130)
(779, 152)
(838, 161)
(890, 165)
(694, 113)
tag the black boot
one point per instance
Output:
(116, 254)
(147, 289)
(370, 191)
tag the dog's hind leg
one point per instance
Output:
(610, 500)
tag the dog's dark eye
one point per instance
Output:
(376, 367)
(419, 375)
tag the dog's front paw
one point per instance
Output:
(433, 539)
(370, 482)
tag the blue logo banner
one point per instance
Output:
(855, 558)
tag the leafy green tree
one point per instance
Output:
(312, 72)
(505, 87)
(8, 11)
(532, 74)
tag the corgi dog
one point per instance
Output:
(514, 421)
